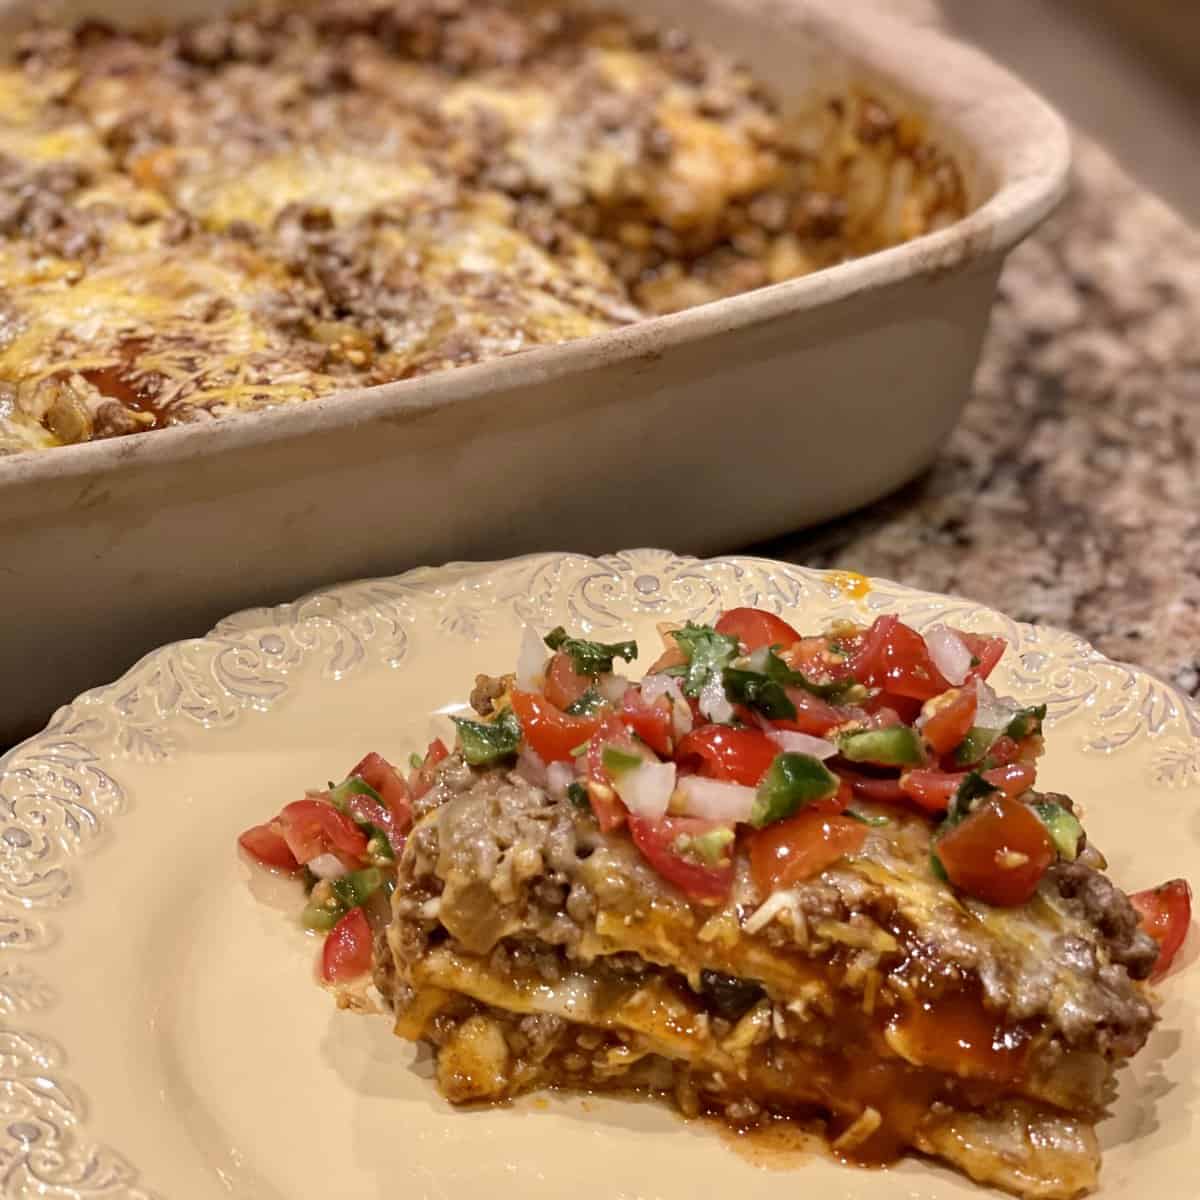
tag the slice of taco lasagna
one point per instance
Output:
(781, 876)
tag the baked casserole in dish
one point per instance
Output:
(257, 210)
(264, 219)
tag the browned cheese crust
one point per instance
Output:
(257, 210)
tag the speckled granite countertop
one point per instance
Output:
(1070, 492)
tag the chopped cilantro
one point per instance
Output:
(774, 668)
(759, 692)
(590, 658)
(973, 787)
(708, 653)
(587, 705)
(577, 794)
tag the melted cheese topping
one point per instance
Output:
(358, 210)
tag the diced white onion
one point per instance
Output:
(715, 800)
(949, 653)
(530, 767)
(559, 777)
(646, 789)
(612, 687)
(756, 660)
(531, 661)
(327, 866)
(714, 704)
(992, 711)
(654, 687)
(802, 743)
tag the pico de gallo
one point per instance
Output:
(743, 734)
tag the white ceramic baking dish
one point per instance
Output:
(704, 430)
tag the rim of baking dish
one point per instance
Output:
(1018, 138)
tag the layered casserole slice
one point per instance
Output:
(263, 208)
(779, 878)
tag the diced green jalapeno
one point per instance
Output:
(791, 782)
(708, 848)
(874, 822)
(379, 846)
(1063, 827)
(974, 747)
(322, 917)
(487, 742)
(356, 887)
(895, 746)
(616, 760)
(1026, 723)
(352, 786)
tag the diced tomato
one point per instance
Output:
(564, 685)
(883, 709)
(813, 715)
(933, 790)
(836, 803)
(987, 648)
(998, 854)
(421, 780)
(376, 771)
(1014, 779)
(894, 656)
(347, 950)
(549, 731)
(868, 787)
(736, 755)
(1166, 913)
(948, 718)
(811, 655)
(651, 722)
(791, 851)
(606, 804)
(1002, 751)
(610, 813)
(867, 659)
(755, 628)
(657, 840)
(312, 828)
(368, 810)
(930, 789)
(266, 844)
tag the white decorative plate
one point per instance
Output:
(161, 1034)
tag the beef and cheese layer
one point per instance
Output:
(261, 209)
(535, 951)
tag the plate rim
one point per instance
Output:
(72, 1161)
